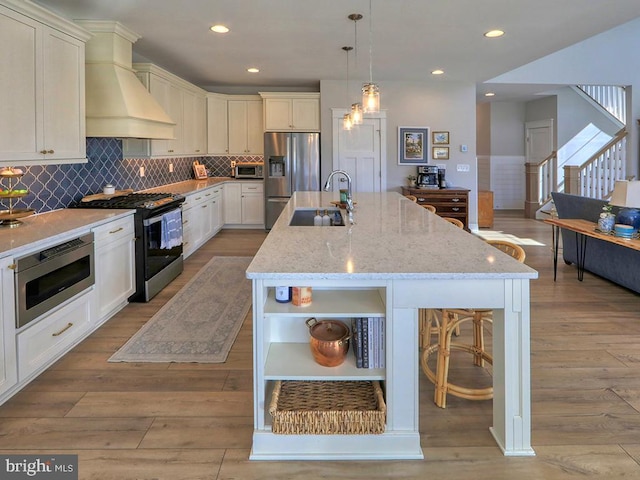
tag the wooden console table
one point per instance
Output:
(583, 230)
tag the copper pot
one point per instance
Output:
(329, 341)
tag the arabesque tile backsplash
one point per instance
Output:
(56, 186)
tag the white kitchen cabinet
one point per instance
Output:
(246, 136)
(194, 123)
(202, 218)
(217, 124)
(282, 353)
(184, 103)
(291, 112)
(42, 120)
(114, 266)
(244, 204)
(8, 361)
(47, 339)
(252, 204)
(234, 125)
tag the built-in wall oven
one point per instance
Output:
(158, 231)
(48, 278)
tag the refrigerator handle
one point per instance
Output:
(293, 152)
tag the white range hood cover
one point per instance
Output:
(117, 104)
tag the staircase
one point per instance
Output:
(590, 176)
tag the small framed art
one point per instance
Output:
(440, 153)
(413, 145)
(199, 171)
(440, 138)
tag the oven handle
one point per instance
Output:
(157, 218)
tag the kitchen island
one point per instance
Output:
(397, 258)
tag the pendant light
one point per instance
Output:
(370, 91)
(356, 108)
(347, 123)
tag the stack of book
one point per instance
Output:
(368, 341)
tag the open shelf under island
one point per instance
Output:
(370, 270)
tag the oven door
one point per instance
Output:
(162, 240)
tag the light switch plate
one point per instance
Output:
(462, 167)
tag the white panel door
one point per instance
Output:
(359, 155)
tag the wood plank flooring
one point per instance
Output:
(188, 421)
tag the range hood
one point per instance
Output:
(117, 103)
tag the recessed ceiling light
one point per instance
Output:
(219, 29)
(437, 72)
(494, 33)
(253, 70)
(489, 94)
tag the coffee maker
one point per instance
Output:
(428, 177)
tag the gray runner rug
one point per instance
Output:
(200, 323)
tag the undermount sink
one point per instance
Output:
(303, 217)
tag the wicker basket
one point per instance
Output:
(326, 408)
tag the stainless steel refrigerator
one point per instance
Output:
(292, 163)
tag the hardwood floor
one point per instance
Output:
(194, 421)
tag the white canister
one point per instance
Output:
(109, 189)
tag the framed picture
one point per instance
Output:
(199, 171)
(440, 153)
(413, 145)
(440, 138)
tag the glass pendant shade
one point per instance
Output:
(347, 124)
(370, 98)
(356, 114)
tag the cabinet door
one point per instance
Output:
(63, 97)
(20, 115)
(218, 209)
(189, 232)
(200, 125)
(8, 361)
(252, 209)
(305, 114)
(277, 114)
(232, 203)
(176, 146)
(237, 114)
(160, 89)
(255, 129)
(189, 122)
(217, 130)
(42, 118)
(115, 266)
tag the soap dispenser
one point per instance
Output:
(317, 220)
(326, 219)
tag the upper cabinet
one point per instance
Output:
(185, 103)
(42, 119)
(291, 111)
(234, 125)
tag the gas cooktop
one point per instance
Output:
(133, 200)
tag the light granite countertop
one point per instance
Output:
(190, 186)
(393, 238)
(47, 228)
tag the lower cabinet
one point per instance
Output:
(8, 365)
(244, 204)
(202, 218)
(47, 339)
(114, 266)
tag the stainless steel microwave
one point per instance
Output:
(249, 170)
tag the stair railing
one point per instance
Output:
(610, 97)
(540, 182)
(597, 176)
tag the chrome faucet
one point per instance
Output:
(349, 202)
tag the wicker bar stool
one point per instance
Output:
(445, 326)
(413, 198)
(431, 208)
(455, 221)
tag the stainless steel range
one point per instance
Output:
(158, 230)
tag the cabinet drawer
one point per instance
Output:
(253, 187)
(113, 231)
(42, 342)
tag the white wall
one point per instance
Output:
(437, 105)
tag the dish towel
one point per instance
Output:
(171, 234)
